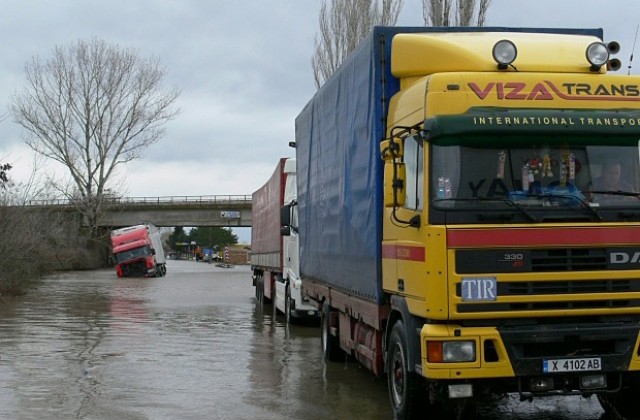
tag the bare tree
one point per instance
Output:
(442, 13)
(92, 107)
(343, 24)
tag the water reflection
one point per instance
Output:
(191, 345)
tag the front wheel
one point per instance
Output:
(625, 402)
(404, 387)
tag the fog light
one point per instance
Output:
(460, 391)
(593, 381)
(541, 384)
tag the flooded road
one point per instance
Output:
(191, 345)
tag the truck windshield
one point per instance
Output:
(531, 180)
(132, 254)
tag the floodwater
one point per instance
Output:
(191, 345)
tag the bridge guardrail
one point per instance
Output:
(162, 200)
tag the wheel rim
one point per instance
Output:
(398, 374)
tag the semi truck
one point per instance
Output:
(452, 231)
(274, 245)
(138, 252)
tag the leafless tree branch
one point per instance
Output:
(92, 107)
(441, 13)
(342, 25)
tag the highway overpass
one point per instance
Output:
(185, 211)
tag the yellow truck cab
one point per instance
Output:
(527, 268)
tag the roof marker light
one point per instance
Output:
(504, 52)
(597, 55)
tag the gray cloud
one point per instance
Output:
(243, 68)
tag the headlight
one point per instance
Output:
(451, 351)
(504, 52)
(597, 54)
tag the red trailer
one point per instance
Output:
(266, 241)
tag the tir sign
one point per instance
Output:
(479, 289)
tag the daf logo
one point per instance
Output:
(624, 257)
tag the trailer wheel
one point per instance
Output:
(405, 389)
(260, 289)
(330, 346)
(623, 403)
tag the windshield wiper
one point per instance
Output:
(617, 192)
(508, 201)
(579, 199)
(512, 203)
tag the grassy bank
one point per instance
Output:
(34, 244)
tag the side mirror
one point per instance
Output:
(395, 176)
(153, 251)
(285, 215)
(392, 151)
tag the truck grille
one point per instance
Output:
(603, 293)
(548, 306)
(565, 287)
(472, 261)
(533, 289)
(571, 259)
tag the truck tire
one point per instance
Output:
(330, 345)
(287, 305)
(259, 289)
(405, 390)
(624, 403)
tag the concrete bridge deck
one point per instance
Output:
(185, 211)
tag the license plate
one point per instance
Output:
(571, 365)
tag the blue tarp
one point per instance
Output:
(339, 176)
(340, 173)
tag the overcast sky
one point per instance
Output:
(243, 67)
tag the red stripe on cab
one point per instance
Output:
(462, 238)
(403, 252)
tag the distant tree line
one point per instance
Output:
(205, 236)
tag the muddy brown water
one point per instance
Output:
(191, 345)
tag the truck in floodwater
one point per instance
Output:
(137, 251)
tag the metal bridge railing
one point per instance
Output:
(165, 200)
